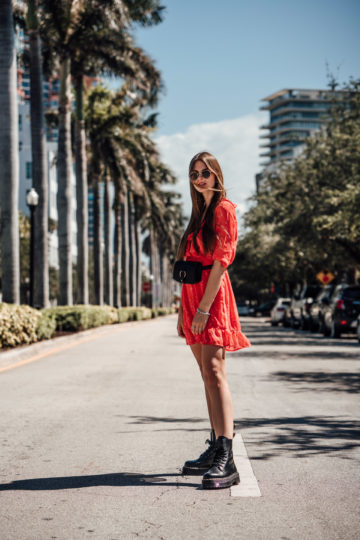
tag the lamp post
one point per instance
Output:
(32, 200)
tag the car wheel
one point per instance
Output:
(335, 330)
(324, 329)
(314, 327)
(358, 331)
(274, 323)
(303, 324)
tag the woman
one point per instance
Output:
(208, 317)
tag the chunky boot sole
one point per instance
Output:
(219, 483)
(192, 471)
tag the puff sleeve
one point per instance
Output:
(225, 224)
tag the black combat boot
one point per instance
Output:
(203, 463)
(223, 472)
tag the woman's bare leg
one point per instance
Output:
(214, 376)
(197, 352)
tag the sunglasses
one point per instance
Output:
(203, 174)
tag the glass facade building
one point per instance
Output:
(294, 115)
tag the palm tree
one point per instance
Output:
(110, 125)
(64, 199)
(94, 35)
(164, 222)
(39, 161)
(98, 243)
(9, 147)
(109, 288)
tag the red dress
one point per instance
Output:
(223, 326)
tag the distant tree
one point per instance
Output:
(306, 216)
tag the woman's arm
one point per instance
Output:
(211, 290)
(180, 323)
(212, 286)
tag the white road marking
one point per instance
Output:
(248, 486)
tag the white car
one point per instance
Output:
(278, 311)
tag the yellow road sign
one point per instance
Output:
(325, 277)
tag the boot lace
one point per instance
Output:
(208, 451)
(220, 457)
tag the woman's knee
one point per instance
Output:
(213, 374)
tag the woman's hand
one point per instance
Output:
(199, 322)
(180, 324)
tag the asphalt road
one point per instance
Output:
(95, 429)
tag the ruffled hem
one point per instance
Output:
(220, 338)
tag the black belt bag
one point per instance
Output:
(189, 271)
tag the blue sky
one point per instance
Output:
(219, 59)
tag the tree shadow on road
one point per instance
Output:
(123, 479)
(301, 354)
(264, 335)
(165, 419)
(300, 437)
(325, 382)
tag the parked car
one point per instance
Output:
(243, 309)
(316, 308)
(300, 306)
(263, 310)
(287, 316)
(342, 310)
(278, 311)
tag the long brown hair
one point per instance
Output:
(198, 207)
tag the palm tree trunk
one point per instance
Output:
(153, 267)
(117, 249)
(98, 251)
(132, 249)
(125, 249)
(161, 275)
(157, 272)
(9, 153)
(81, 196)
(108, 252)
(39, 161)
(138, 251)
(167, 283)
(64, 163)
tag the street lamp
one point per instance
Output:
(32, 200)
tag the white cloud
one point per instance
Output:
(235, 143)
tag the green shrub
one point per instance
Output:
(46, 324)
(18, 324)
(134, 313)
(21, 324)
(81, 317)
(123, 315)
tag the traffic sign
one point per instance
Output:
(325, 277)
(146, 286)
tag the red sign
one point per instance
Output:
(325, 277)
(146, 286)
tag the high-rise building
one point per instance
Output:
(294, 115)
(25, 183)
(51, 90)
